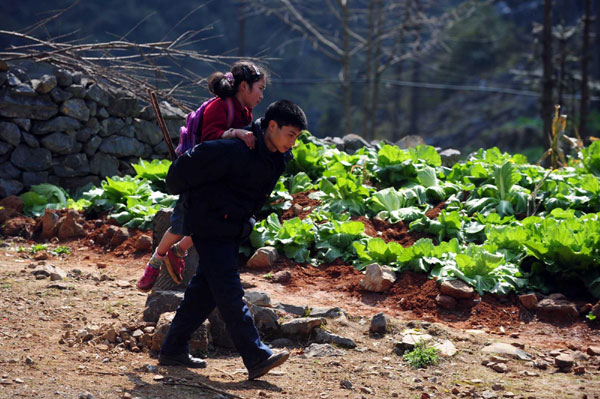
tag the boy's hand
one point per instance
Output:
(246, 136)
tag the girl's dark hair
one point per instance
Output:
(222, 85)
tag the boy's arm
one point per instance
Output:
(205, 163)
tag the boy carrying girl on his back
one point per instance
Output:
(227, 183)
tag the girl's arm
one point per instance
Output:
(245, 135)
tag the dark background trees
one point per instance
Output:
(464, 74)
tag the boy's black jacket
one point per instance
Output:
(225, 183)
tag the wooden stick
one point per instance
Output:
(162, 125)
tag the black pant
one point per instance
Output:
(216, 283)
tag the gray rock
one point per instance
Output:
(58, 124)
(218, 331)
(564, 361)
(121, 146)
(445, 347)
(257, 298)
(354, 142)
(77, 90)
(263, 258)
(124, 105)
(301, 327)
(159, 302)
(410, 338)
(10, 133)
(23, 123)
(265, 319)
(59, 143)
(3, 78)
(410, 141)
(15, 105)
(5, 148)
(557, 310)
(378, 278)
(337, 142)
(98, 94)
(293, 309)
(24, 89)
(110, 126)
(529, 301)
(10, 187)
(171, 112)
(322, 350)
(63, 77)
(198, 344)
(282, 277)
(93, 107)
(72, 165)
(31, 159)
(84, 135)
(76, 108)
(450, 156)
(93, 125)
(501, 348)
(446, 301)
(59, 95)
(92, 146)
(127, 131)
(30, 140)
(103, 113)
(379, 323)
(9, 171)
(457, 289)
(44, 84)
(147, 132)
(33, 178)
(325, 337)
(330, 313)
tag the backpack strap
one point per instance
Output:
(229, 102)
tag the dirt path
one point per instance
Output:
(36, 314)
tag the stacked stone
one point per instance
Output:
(68, 129)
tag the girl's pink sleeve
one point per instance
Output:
(214, 121)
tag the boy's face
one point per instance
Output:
(282, 138)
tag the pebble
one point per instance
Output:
(346, 384)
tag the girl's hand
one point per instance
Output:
(246, 136)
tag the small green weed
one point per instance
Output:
(37, 248)
(422, 355)
(268, 276)
(590, 316)
(61, 249)
(307, 312)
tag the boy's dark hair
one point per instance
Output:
(224, 85)
(285, 113)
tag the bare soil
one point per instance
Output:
(35, 314)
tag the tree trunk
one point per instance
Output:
(366, 115)
(397, 109)
(414, 100)
(585, 58)
(546, 100)
(378, 71)
(241, 31)
(346, 67)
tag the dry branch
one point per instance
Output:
(125, 65)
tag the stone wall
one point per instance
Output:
(68, 129)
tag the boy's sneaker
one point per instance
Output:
(175, 266)
(276, 359)
(146, 282)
